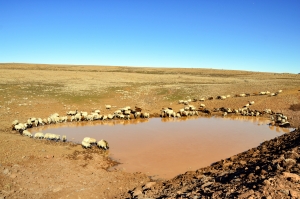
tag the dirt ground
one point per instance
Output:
(32, 168)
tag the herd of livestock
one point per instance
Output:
(128, 113)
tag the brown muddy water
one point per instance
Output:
(164, 148)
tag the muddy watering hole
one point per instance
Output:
(164, 148)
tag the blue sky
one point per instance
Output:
(240, 35)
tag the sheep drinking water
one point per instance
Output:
(103, 144)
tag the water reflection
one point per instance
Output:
(167, 146)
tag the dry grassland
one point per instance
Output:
(38, 90)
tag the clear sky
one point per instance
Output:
(262, 35)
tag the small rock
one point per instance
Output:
(5, 171)
(57, 189)
(294, 194)
(148, 185)
(206, 184)
(137, 192)
(13, 176)
(251, 176)
(285, 191)
(294, 176)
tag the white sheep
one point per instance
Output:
(20, 127)
(186, 108)
(90, 140)
(222, 97)
(90, 117)
(251, 102)
(117, 112)
(137, 114)
(127, 112)
(168, 112)
(185, 102)
(97, 117)
(86, 144)
(29, 123)
(56, 137)
(72, 118)
(47, 135)
(32, 119)
(63, 119)
(15, 122)
(103, 144)
(36, 122)
(121, 116)
(185, 113)
(54, 119)
(181, 110)
(64, 138)
(145, 115)
(72, 112)
(39, 135)
(84, 114)
(110, 116)
(268, 111)
(45, 121)
(55, 115)
(163, 113)
(51, 136)
(27, 133)
(107, 106)
(78, 117)
(192, 108)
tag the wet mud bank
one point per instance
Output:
(270, 170)
(168, 147)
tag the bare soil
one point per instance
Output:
(32, 168)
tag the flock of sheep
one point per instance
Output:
(223, 97)
(190, 110)
(87, 142)
(122, 113)
(128, 113)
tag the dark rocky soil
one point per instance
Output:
(270, 170)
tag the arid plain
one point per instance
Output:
(31, 168)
